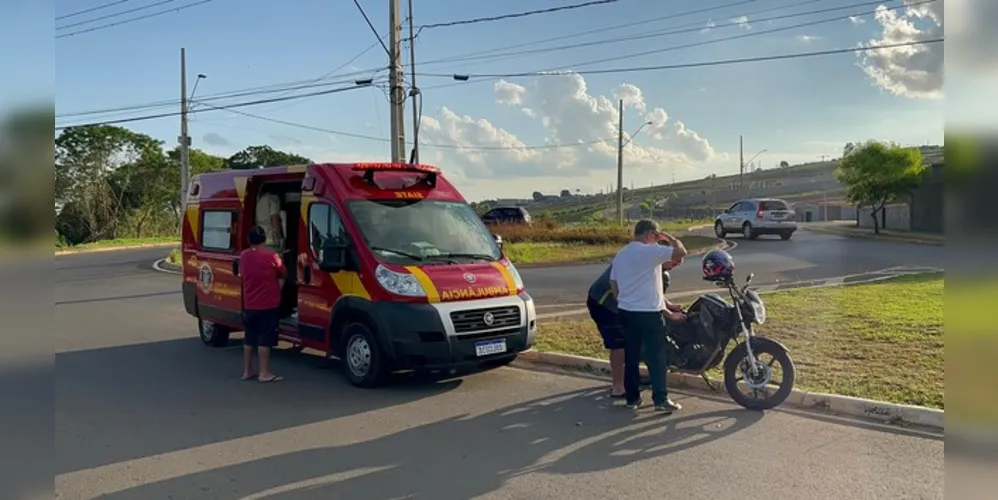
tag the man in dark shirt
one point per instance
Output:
(603, 311)
(263, 273)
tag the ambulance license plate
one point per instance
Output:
(489, 347)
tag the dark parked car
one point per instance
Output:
(507, 215)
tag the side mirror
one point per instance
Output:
(666, 280)
(333, 255)
(498, 240)
(748, 279)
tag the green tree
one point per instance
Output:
(875, 174)
(262, 157)
(96, 167)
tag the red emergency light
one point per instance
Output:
(369, 170)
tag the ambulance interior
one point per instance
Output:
(289, 194)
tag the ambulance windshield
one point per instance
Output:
(403, 231)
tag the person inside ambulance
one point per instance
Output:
(268, 216)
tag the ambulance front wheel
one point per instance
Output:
(364, 363)
(213, 334)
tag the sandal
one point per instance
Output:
(277, 378)
(248, 377)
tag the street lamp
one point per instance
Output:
(761, 151)
(638, 131)
(620, 160)
(197, 80)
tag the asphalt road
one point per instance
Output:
(144, 411)
(807, 256)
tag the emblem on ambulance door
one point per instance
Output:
(488, 319)
(470, 278)
(205, 278)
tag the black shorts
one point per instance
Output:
(261, 327)
(608, 325)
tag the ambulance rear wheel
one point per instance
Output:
(364, 363)
(213, 334)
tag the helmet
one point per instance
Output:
(718, 266)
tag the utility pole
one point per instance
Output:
(413, 90)
(395, 78)
(741, 163)
(620, 163)
(184, 139)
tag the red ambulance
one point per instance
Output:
(389, 268)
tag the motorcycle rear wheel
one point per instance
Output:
(732, 373)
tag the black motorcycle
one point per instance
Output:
(699, 344)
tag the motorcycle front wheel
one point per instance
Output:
(764, 392)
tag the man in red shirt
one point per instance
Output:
(263, 274)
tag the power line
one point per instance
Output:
(133, 19)
(516, 14)
(382, 139)
(236, 105)
(687, 28)
(380, 38)
(340, 67)
(91, 9)
(689, 45)
(598, 30)
(250, 91)
(721, 62)
(116, 14)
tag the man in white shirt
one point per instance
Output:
(636, 281)
(268, 216)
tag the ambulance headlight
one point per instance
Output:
(398, 283)
(517, 279)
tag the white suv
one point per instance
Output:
(757, 216)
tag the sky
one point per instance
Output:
(509, 136)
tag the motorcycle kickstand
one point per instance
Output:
(710, 384)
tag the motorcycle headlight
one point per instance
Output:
(398, 283)
(759, 311)
(758, 308)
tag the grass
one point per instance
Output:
(174, 257)
(859, 232)
(559, 252)
(120, 242)
(880, 341)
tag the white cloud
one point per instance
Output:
(709, 26)
(808, 38)
(567, 113)
(914, 71)
(741, 21)
(508, 93)
(856, 20)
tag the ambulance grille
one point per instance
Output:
(474, 320)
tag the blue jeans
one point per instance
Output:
(644, 329)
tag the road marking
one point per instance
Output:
(158, 265)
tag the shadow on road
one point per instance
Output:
(463, 457)
(158, 397)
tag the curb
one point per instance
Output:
(813, 401)
(880, 237)
(112, 249)
(163, 266)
